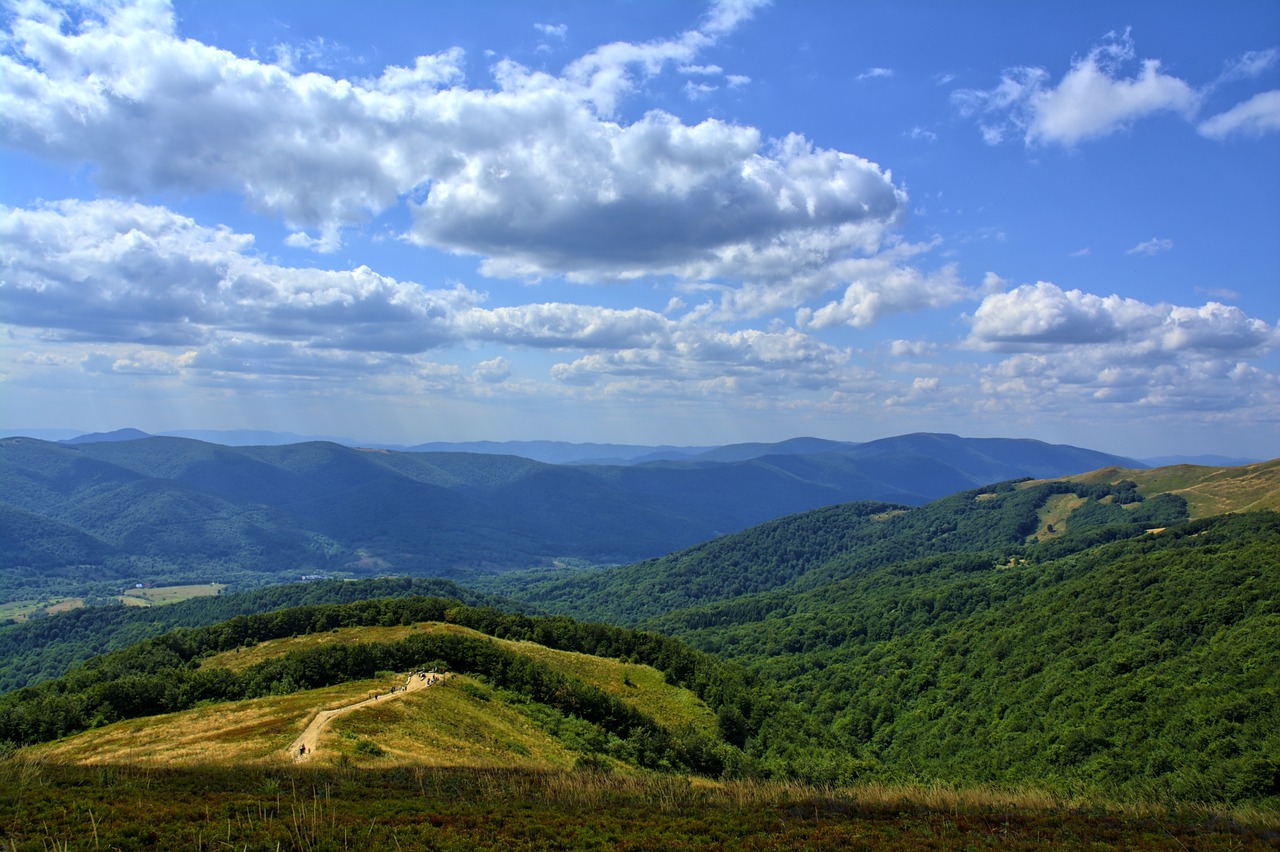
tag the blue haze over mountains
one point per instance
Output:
(101, 509)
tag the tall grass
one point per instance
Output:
(48, 805)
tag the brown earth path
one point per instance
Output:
(311, 736)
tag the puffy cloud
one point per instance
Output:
(106, 270)
(1091, 100)
(1256, 116)
(1033, 317)
(129, 275)
(554, 30)
(879, 288)
(535, 177)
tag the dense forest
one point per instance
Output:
(975, 639)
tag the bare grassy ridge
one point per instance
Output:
(51, 806)
(1207, 490)
(642, 686)
(460, 723)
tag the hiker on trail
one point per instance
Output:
(302, 750)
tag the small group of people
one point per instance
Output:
(431, 676)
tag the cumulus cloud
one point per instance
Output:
(1034, 316)
(879, 289)
(107, 270)
(536, 177)
(1093, 99)
(1254, 117)
(1069, 348)
(130, 274)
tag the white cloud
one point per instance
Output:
(1250, 64)
(1256, 116)
(1155, 245)
(873, 73)
(727, 15)
(879, 289)
(172, 297)
(1032, 317)
(554, 30)
(1092, 99)
(535, 177)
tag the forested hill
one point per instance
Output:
(990, 525)
(1055, 634)
(176, 510)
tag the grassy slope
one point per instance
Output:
(459, 724)
(1207, 490)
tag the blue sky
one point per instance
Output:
(645, 222)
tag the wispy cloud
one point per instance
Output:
(874, 73)
(1256, 116)
(1155, 245)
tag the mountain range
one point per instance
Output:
(171, 509)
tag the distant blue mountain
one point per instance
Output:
(1205, 460)
(126, 505)
(117, 435)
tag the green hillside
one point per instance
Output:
(1207, 490)
(1125, 648)
(993, 523)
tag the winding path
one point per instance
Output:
(311, 736)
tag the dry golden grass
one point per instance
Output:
(1207, 490)
(456, 724)
(233, 733)
(1054, 514)
(446, 726)
(243, 658)
(647, 689)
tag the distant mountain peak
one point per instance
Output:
(98, 437)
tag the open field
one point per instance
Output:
(21, 610)
(169, 594)
(54, 806)
(25, 609)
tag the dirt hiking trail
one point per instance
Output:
(305, 746)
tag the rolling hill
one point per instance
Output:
(178, 510)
